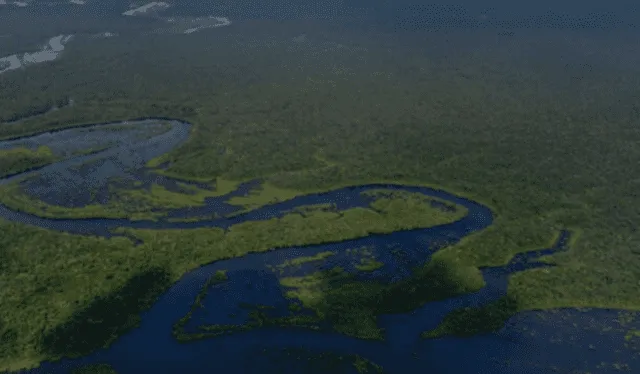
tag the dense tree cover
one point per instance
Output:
(471, 321)
(117, 313)
(37, 108)
(543, 127)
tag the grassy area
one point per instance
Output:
(303, 260)
(17, 160)
(293, 229)
(266, 194)
(16, 198)
(315, 207)
(159, 197)
(368, 264)
(135, 203)
(398, 205)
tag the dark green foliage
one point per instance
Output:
(472, 321)
(8, 339)
(352, 306)
(219, 277)
(436, 281)
(33, 109)
(103, 320)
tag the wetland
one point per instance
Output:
(350, 270)
(317, 195)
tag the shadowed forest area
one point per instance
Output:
(106, 318)
(540, 124)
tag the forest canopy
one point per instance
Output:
(545, 142)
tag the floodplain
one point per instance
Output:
(308, 195)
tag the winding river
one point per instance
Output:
(559, 341)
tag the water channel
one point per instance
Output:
(559, 341)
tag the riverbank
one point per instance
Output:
(264, 217)
(286, 228)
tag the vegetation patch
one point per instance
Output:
(101, 322)
(178, 328)
(315, 207)
(264, 195)
(369, 264)
(158, 197)
(17, 160)
(413, 207)
(14, 197)
(136, 203)
(472, 321)
(352, 306)
(8, 340)
(66, 263)
(304, 259)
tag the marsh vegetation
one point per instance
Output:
(120, 264)
(17, 160)
(348, 305)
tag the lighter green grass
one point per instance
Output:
(135, 204)
(305, 259)
(15, 198)
(369, 264)
(631, 334)
(16, 160)
(266, 194)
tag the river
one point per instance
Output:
(564, 341)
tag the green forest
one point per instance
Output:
(547, 144)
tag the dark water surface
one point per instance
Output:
(559, 341)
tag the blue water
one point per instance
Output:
(561, 341)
